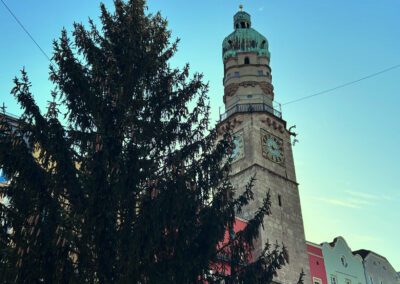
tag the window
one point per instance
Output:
(344, 261)
(333, 279)
(237, 74)
(260, 73)
(228, 75)
(279, 200)
(372, 281)
(317, 280)
(242, 25)
(249, 96)
(246, 60)
(347, 281)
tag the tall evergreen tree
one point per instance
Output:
(123, 179)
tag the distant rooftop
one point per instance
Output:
(364, 253)
(9, 116)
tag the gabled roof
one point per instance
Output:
(333, 243)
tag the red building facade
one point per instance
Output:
(223, 267)
(317, 264)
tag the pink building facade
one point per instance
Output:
(317, 264)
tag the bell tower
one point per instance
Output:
(262, 143)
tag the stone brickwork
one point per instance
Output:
(285, 224)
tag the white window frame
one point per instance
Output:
(317, 280)
(333, 277)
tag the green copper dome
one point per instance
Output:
(244, 38)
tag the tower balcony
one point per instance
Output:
(253, 107)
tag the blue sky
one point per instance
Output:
(347, 160)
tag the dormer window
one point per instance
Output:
(246, 60)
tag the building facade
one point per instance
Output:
(2, 177)
(342, 266)
(317, 264)
(377, 268)
(12, 121)
(263, 144)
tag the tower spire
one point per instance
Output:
(247, 75)
(261, 144)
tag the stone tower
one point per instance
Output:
(262, 143)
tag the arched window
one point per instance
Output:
(246, 60)
(243, 25)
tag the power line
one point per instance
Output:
(343, 85)
(26, 31)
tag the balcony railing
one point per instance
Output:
(248, 108)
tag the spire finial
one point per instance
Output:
(241, 7)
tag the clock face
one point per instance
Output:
(272, 147)
(238, 151)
